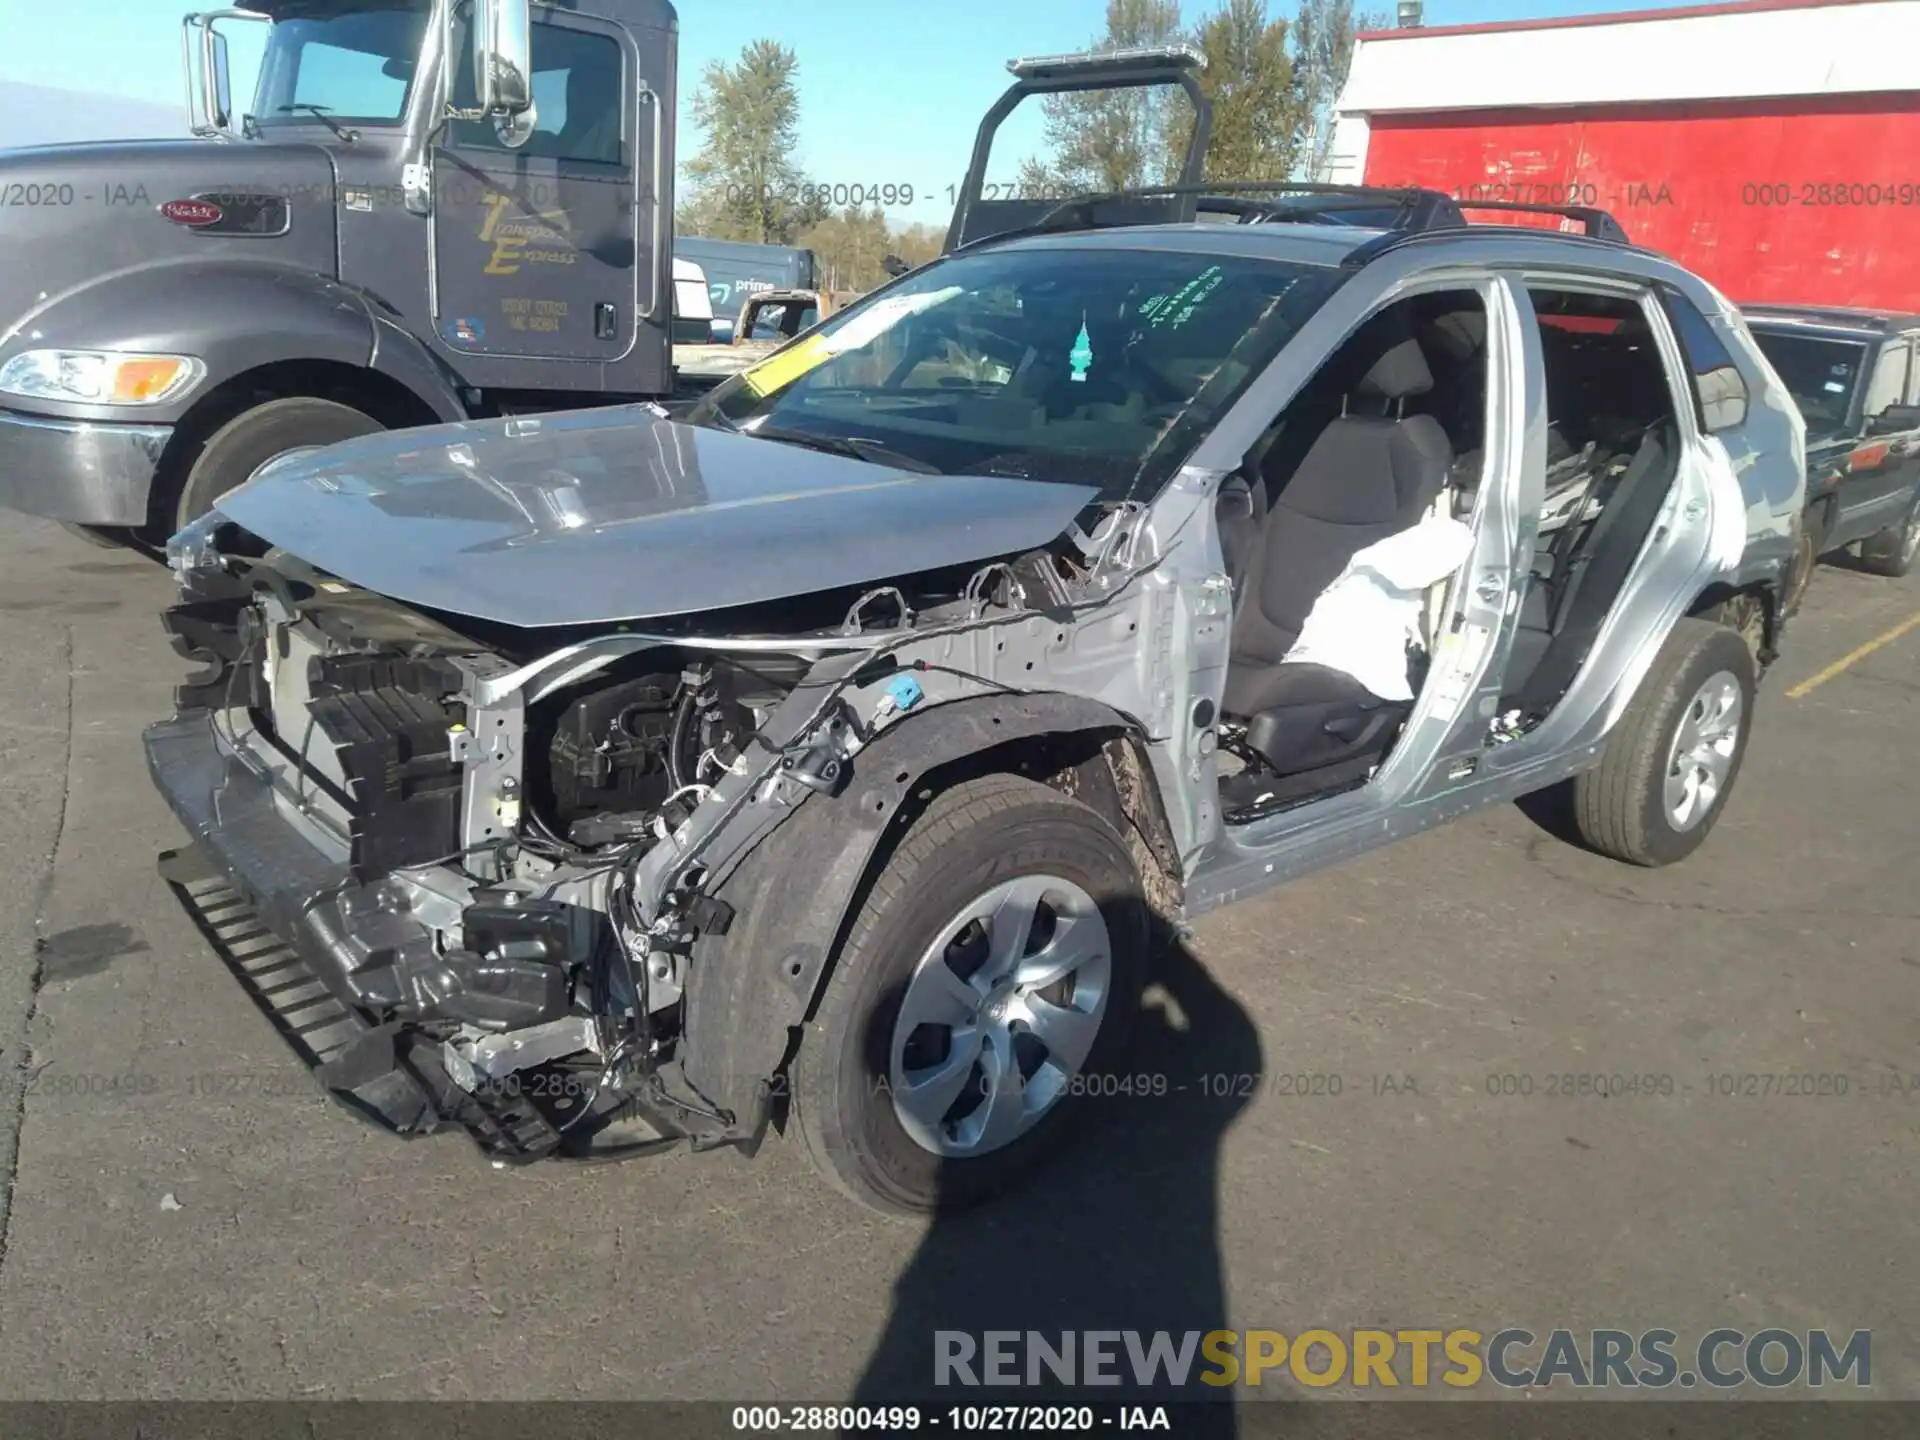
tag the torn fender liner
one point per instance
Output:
(748, 987)
(595, 517)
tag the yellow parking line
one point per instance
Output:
(1807, 687)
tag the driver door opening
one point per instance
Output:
(1343, 530)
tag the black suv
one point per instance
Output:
(1856, 377)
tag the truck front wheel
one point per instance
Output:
(989, 983)
(234, 452)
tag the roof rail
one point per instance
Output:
(1415, 210)
(1600, 225)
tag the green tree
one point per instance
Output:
(851, 248)
(918, 243)
(1258, 129)
(1323, 32)
(1110, 139)
(746, 183)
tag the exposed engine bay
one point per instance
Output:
(508, 842)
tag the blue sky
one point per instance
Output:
(890, 89)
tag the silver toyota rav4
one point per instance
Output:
(830, 754)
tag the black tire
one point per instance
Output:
(1620, 806)
(971, 838)
(1806, 559)
(1893, 551)
(241, 446)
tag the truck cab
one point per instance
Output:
(428, 211)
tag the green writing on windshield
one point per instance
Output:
(1173, 311)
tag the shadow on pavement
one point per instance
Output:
(1119, 1233)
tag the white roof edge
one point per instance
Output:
(1816, 50)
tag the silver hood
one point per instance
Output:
(598, 516)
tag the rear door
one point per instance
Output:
(535, 250)
(1655, 508)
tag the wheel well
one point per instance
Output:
(1824, 508)
(1753, 610)
(385, 399)
(1106, 769)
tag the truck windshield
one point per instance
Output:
(1820, 372)
(343, 62)
(1093, 365)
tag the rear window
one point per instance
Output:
(1719, 392)
(1821, 372)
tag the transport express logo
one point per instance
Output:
(1386, 1359)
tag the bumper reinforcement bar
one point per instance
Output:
(382, 1073)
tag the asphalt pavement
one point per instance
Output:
(187, 1217)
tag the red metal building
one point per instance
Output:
(1771, 145)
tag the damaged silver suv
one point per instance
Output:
(829, 752)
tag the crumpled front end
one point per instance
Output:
(330, 779)
(472, 868)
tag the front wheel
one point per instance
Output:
(235, 452)
(1664, 777)
(990, 980)
(1893, 551)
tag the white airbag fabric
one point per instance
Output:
(1364, 621)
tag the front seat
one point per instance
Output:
(1365, 478)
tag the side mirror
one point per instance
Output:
(220, 81)
(503, 56)
(1894, 419)
(895, 266)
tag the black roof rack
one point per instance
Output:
(1600, 225)
(1401, 211)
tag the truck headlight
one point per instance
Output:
(99, 377)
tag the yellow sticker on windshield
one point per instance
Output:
(786, 367)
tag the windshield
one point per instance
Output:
(1098, 366)
(1818, 371)
(351, 64)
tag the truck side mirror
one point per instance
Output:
(895, 266)
(1894, 419)
(503, 57)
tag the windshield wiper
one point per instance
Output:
(856, 447)
(319, 112)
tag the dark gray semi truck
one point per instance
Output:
(430, 211)
(404, 227)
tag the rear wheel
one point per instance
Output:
(1664, 777)
(992, 976)
(1893, 550)
(235, 452)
